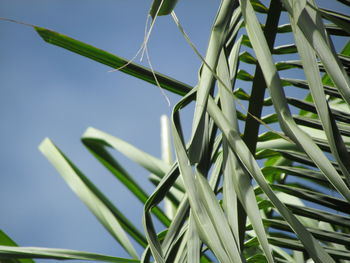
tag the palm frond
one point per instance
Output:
(282, 183)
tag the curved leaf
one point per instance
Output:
(89, 194)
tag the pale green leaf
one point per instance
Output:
(88, 193)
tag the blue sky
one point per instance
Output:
(49, 92)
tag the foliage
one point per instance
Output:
(236, 196)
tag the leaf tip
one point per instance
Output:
(44, 144)
(162, 7)
(88, 132)
(44, 33)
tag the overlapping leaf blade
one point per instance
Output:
(305, 23)
(7, 252)
(98, 204)
(5, 240)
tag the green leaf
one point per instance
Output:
(325, 236)
(240, 148)
(271, 118)
(247, 58)
(316, 124)
(334, 30)
(211, 162)
(341, 20)
(236, 181)
(313, 196)
(279, 99)
(5, 240)
(206, 80)
(326, 78)
(306, 106)
(308, 58)
(259, 7)
(329, 90)
(193, 242)
(294, 244)
(96, 143)
(88, 193)
(244, 75)
(211, 223)
(314, 33)
(7, 252)
(113, 61)
(257, 259)
(149, 162)
(285, 49)
(162, 7)
(154, 199)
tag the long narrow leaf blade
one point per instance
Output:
(5, 240)
(238, 146)
(7, 252)
(279, 100)
(83, 189)
(236, 180)
(149, 162)
(308, 57)
(211, 223)
(97, 148)
(113, 61)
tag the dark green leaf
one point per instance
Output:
(113, 61)
(162, 7)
